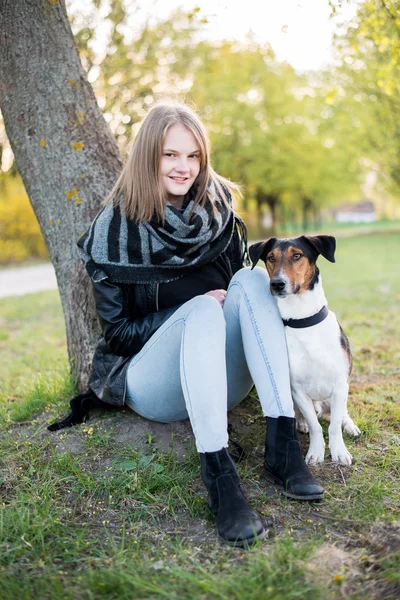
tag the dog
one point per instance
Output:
(320, 360)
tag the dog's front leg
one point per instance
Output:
(339, 452)
(316, 451)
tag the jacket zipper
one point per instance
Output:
(157, 288)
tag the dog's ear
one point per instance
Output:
(260, 250)
(323, 244)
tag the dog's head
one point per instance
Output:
(291, 263)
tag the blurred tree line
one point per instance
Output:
(296, 143)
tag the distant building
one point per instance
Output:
(362, 212)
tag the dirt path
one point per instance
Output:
(26, 280)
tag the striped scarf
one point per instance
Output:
(123, 251)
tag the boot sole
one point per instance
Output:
(243, 543)
(278, 485)
(239, 543)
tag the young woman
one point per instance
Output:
(186, 329)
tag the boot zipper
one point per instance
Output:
(157, 289)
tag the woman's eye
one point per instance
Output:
(297, 256)
(168, 154)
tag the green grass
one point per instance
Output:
(91, 513)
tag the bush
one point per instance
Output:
(20, 234)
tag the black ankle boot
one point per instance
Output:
(284, 463)
(237, 523)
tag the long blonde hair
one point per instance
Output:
(140, 184)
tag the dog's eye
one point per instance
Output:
(271, 258)
(297, 256)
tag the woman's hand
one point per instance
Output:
(218, 295)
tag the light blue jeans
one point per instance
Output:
(204, 359)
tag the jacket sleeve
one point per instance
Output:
(125, 337)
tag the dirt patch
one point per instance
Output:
(129, 429)
(336, 567)
(360, 568)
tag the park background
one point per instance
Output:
(301, 101)
(313, 142)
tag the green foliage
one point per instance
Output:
(133, 73)
(20, 233)
(367, 84)
(268, 130)
(297, 143)
(264, 120)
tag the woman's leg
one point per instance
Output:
(180, 373)
(256, 344)
(255, 335)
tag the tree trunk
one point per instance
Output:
(273, 203)
(64, 150)
(307, 206)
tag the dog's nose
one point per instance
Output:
(278, 285)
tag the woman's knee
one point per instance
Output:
(205, 307)
(248, 276)
(253, 280)
(254, 285)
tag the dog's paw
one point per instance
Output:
(302, 425)
(340, 455)
(315, 454)
(351, 428)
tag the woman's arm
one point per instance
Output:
(124, 336)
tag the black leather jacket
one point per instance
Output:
(129, 316)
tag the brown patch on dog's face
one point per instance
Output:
(291, 268)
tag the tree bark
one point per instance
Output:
(63, 147)
(307, 205)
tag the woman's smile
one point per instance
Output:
(179, 179)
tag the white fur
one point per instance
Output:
(319, 370)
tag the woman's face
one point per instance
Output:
(180, 163)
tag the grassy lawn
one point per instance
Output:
(115, 508)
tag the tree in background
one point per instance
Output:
(133, 71)
(366, 84)
(270, 132)
(265, 124)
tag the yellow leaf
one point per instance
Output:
(330, 97)
(81, 116)
(51, 221)
(69, 194)
(53, 2)
(338, 578)
(78, 200)
(71, 81)
(77, 146)
(42, 143)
